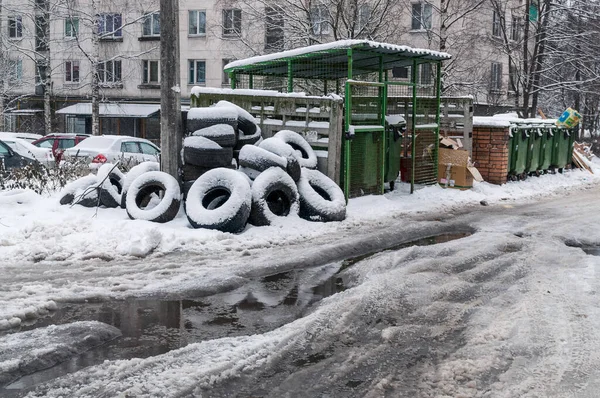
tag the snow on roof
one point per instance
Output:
(341, 44)
(112, 110)
(197, 90)
(504, 120)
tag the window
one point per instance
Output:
(225, 77)
(400, 72)
(41, 33)
(364, 15)
(71, 27)
(71, 71)
(197, 23)
(496, 77)
(197, 72)
(273, 29)
(15, 27)
(421, 16)
(109, 26)
(148, 149)
(150, 72)
(15, 70)
(109, 72)
(49, 143)
(4, 150)
(515, 29)
(426, 74)
(232, 22)
(130, 147)
(496, 28)
(319, 18)
(65, 143)
(151, 25)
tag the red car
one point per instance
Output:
(59, 142)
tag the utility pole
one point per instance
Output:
(170, 102)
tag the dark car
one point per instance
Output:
(59, 142)
(10, 159)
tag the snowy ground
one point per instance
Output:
(493, 314)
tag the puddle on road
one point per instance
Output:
(152, 327)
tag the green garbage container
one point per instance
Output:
(546, 149)
(562, 148)
(534, 151)
(395, 129)
(519, 146)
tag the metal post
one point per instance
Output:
(383, 90)
(250, 81)
(170, 82)
(348, 121)
(233, 80)
(438, 87)
(290, 82)
(413, 149)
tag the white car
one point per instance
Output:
(25, 136)
(26, 149)
(113, 148)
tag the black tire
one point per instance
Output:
(260, 159)
(320, 198)
(200, 151)
(248, 139)
(200, 118)
(185, 188)
(72, 192)
(134, 173)
(111, 188)
(221, 199)
(248, 172)
(223, 134)
(191, 172)
(304, 152)
(274, 196)
(279, 147)
(246, 123)
(148, 187)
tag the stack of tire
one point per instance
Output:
(277, 177)
(215, 137)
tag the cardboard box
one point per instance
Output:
(453, 169)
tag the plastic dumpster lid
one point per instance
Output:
(395, 120)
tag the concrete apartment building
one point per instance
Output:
(51, 46)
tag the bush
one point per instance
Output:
(41, 178)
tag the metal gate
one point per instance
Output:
(364, 143)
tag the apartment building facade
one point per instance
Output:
(53, 47)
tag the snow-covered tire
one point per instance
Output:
(280, 148)
(191, 172)
(134, 173)
(260, 159)
(140, 193)
(274, 195)
(220, 199)
(304, 152)
(223, 134)
(112, 186)
(71, 193)
(202, 152)
(200, 118)
(320, 198)
(248, 139)
(246, 123)
(248, 172)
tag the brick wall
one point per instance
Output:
(490, 153)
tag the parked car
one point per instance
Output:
(59, 142)
(4, 135)
(10, 159)
(112, 148)
(28, 150)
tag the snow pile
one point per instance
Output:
(28, 352)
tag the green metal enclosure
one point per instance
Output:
(367, 75)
